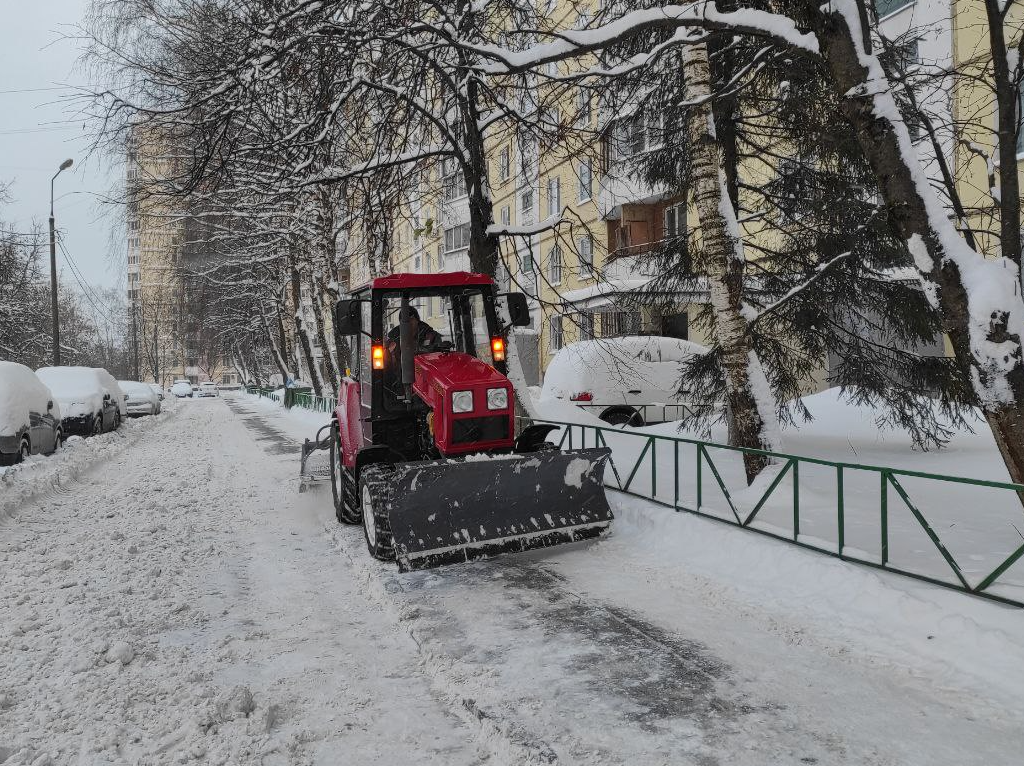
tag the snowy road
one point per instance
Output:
(191, 557)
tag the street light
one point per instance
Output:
(53, 268)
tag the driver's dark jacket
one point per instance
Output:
(426, 337)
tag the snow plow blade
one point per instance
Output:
(444, 511)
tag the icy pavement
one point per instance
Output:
(183, 602)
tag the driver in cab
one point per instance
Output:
(427, 338)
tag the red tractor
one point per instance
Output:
(424, 450)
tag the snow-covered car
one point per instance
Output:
(181, 389)
(158, 390)
(111, 387)
(30, 420)
(207, 389)
(142, 399)
(86, 403)
(632, 380)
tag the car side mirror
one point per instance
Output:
(518, 310)
(106, 397)
(348, 317)
(49, 405)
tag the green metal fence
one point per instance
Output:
(822, 504)
(314, 402)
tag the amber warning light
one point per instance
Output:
(378, 357)
(498, 349)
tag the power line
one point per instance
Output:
(21, 131)
(86, 289)
(35, 90)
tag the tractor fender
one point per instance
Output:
(375, 454)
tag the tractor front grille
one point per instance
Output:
(488, 429)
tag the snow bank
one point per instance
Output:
(21, 392)
(40, 474)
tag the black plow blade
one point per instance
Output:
(446, 511)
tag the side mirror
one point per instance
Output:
(348, 317)
(49, 405)
(518, 310)
(106, 397)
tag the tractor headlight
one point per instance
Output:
(462, 401)
(497, 399)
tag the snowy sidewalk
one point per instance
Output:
(185, 603)
(144, 605)
(680, 641)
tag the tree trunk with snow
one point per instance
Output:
(979, 298)
(302, 333)
(751, 412)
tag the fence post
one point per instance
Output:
(675, 482)
(884, 506)
(700, 461)
(796, 499)
(841, 521)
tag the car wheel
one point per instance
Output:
(25, 450)
(622, 416)
(58, 442)
(117, 420)
(97, 424)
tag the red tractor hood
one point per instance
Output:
(437, 375)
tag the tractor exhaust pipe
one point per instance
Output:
(407, 342)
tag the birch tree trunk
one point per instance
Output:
(752, 415)
(980, 298)
(303, 335)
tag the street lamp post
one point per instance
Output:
(53, 268)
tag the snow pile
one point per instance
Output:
(21, 392)
(59, 471)
(607, 367)
(78, 389)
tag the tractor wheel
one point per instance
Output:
(374, 493)
(346, 505)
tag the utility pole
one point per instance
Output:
(53, 269)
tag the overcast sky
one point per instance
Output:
(38, 132)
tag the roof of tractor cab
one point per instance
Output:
(420, 281)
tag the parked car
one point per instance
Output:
(632, 380)
(111, 387)
(195, 391)
(142, 399)
(207, 389)
(30, 419)
(87, 405)
(158, 390)
(181, 389)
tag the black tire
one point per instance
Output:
(343, 486)
(24, 450)
(117, 420)
(374, 494)
(622, 416)
(58, 442)
(97, 424)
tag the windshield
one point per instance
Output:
(458, 318)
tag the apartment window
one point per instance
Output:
(887, 7)
(585, 245)
(456, 238)
(551, 121)
(527, 158)
(583, 112)
(526, 201)
(133, 224)
(675, 221)
(555, 337)
(453, 182)
(506, 216)
(586, 179)
(529, 277)
(504, 163)
(554, 196)
(555, 265)
(440, 259)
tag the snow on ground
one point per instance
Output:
(170, 605)
(680, 640)
(180, 601)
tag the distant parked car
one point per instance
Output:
(142, 399)
(158, 390)
(30, 419)
(632, 380)
(86, 402)
(181, 389)
(207, 389)
(112, 388)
